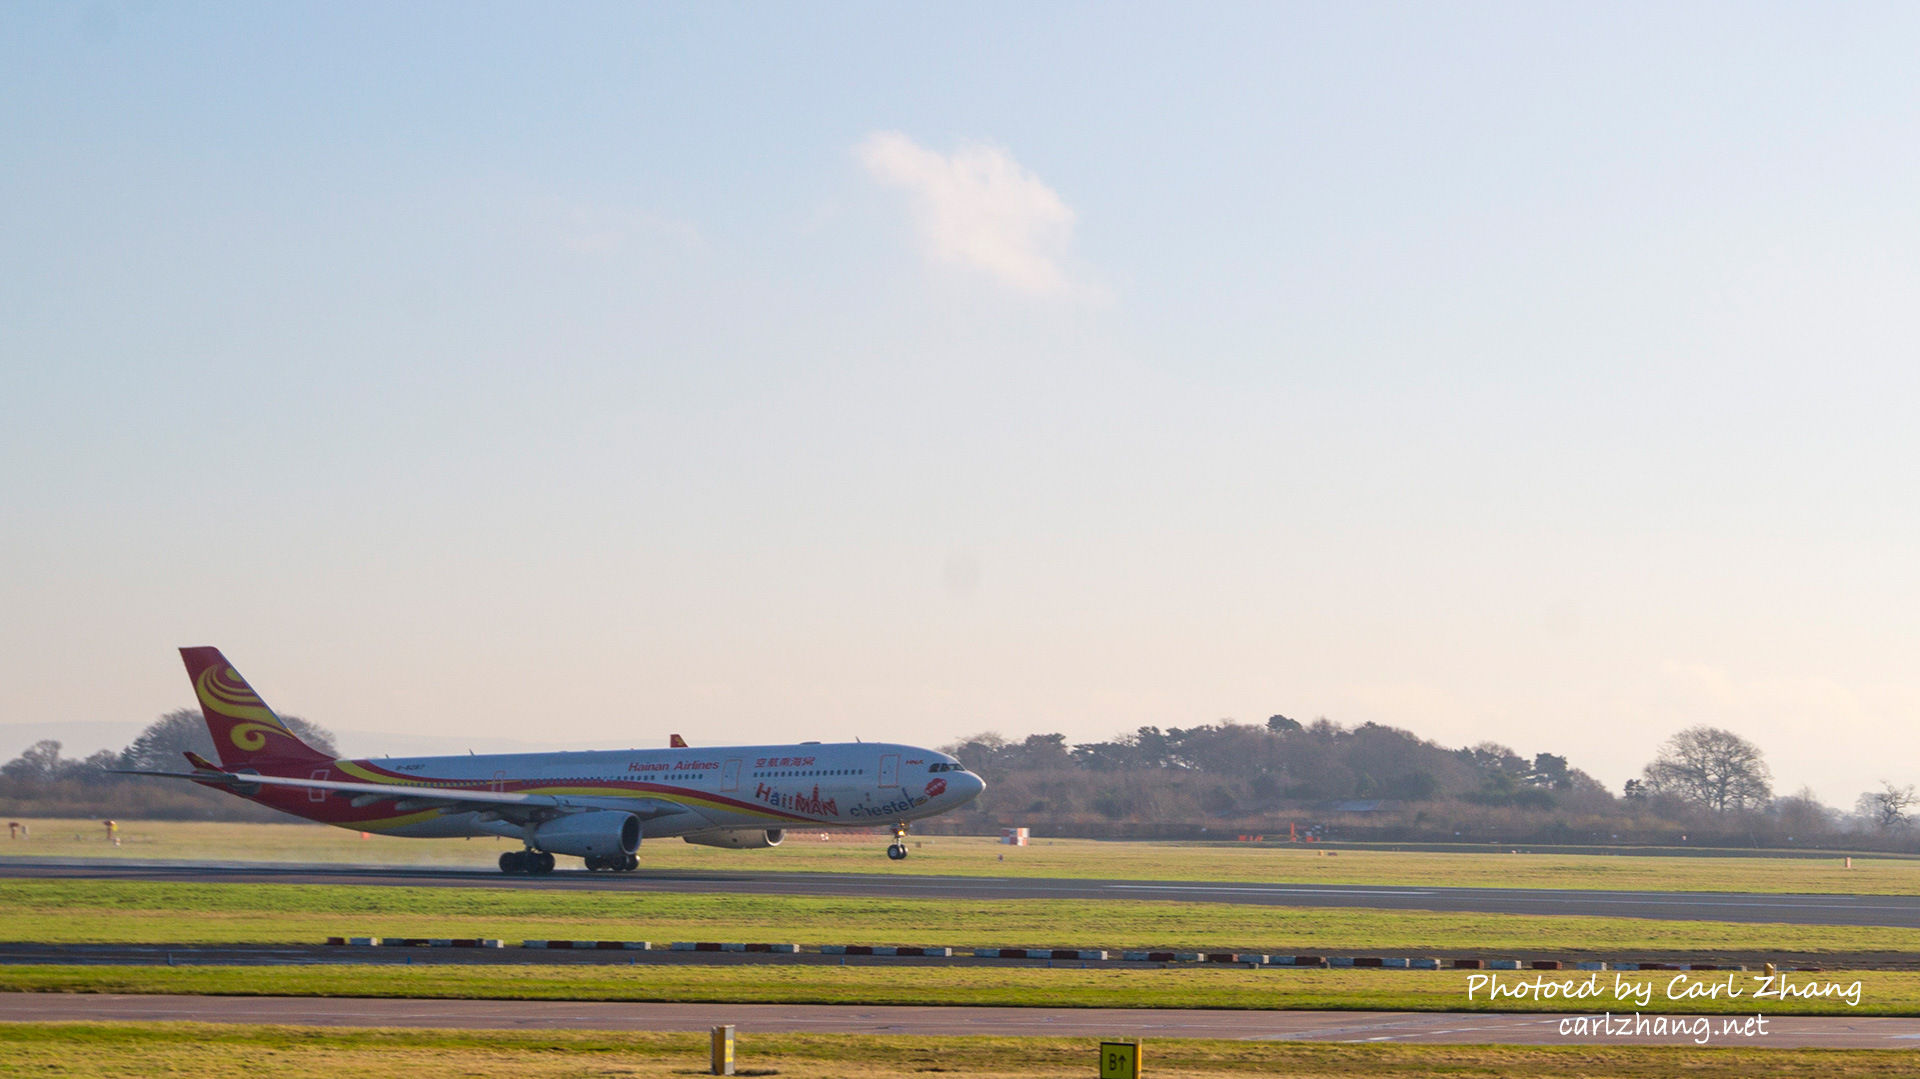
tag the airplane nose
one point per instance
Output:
(969, 786)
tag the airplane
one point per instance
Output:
(595, 805)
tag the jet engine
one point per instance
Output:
(739, 838)
(588, 835)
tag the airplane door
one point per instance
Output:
(499, 782)
(317, 794)
(890, 770)
(730, 775)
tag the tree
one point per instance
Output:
(1887, 807)
(1495, 761)
(1415, 786)
(1549, 770)
(161, 746)
(1802, 814)
(39, 762)
(984, 753)
(1713, 768)
(1159, 749)
(1114, 756)
(1040, 752)
(92, 769)
(1282, 725)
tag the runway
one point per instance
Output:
(1895, 911)
(1406, 1028)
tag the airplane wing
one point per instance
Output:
(413, 796)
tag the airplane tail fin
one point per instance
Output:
(676, 742)
(245, 731)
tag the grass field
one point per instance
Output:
(100, 1051)
(181, 913)
(970, 856)
(1881, 992)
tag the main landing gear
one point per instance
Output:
(538, 863)
(531, 862)
(899, 848)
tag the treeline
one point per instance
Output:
(42, 783)
(1704, 787)
(1287, 762)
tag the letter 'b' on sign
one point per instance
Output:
(1119, 1060)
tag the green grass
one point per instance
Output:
(181, 913)
(971, 856)
(1882, 992)
(114, 1050)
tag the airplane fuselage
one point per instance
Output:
(810, 785)
(597, 806)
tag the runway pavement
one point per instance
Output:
(1432, 1028)
(1862, 910)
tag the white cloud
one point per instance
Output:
(980, 209)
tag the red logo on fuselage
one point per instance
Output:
(799, 803)
(936, 788)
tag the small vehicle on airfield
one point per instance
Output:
(596, 805)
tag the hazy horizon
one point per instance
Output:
(1534, 374)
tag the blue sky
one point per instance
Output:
(1533, 373)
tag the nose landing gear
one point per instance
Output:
(899, 848)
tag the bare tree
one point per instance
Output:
(1713, 768)
(1887, 807)
(1802, 813)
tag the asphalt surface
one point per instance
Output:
(1431, 1028)
(1899, 911)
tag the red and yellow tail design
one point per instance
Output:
(245, 730)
